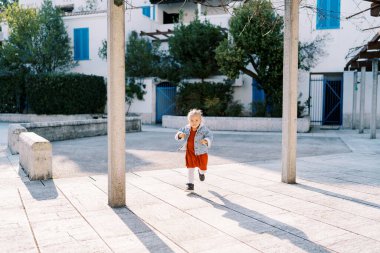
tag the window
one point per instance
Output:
(81, 44)
(171, 18)
(328, 14)
(146, 11)
(149, 11)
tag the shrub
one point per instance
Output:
(258, 109)
(235, 109)
(66, 93)
(212, 98)
(12, 95)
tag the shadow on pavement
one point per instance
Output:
(39, 189)
(339, 196)
(263, 224)
(151, 241)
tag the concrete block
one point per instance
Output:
(251, 124)
(14, 131)
(35, 156)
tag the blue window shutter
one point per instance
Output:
(154, 12)
(328, 14)
(322, 14)
(146, 11)
(81, 44)
(85, 43)
(77, 34)
(334, 14)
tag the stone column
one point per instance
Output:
(116, 103)
(362, 100)
(375, 72)
(354, 99)
(290, 79)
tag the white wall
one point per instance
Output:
(348, 98)
(337, 46)
(147, 107)
(97, 26)
(341, 40)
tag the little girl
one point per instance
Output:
(198, 140)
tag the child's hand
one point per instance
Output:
(204, 142)
(182, 135)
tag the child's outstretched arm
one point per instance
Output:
(180, 135)
(209, 137)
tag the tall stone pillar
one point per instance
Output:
(116, 103)
(354, 99)
(375, 72)
(290, 80)
(362, 100)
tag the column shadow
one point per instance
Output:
(152, 242)
(39, 189)
(274, 227)
(339, 196)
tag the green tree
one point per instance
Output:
(5, 3)
(53, 51)
(140, 58)
(16, 54)
(255, 48)
(38, 41)
(193, 47)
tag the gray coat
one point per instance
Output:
(202, 133)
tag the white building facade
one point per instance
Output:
(330, 88)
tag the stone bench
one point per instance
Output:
(14, 131)
(65, 130)
(35, 156)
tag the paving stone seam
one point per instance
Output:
(195, 218)
(332, 195)
(84, 218)
(144, 221)
(210, 201)
(333, 185)
(29, 223)
(300, 213)
(342, 167)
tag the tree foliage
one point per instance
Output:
(38, 41)
(255, 48)
(193, 47)
(5, 3)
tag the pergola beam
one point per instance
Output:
(369, 55)
(373, 45)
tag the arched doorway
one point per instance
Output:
(165, 100)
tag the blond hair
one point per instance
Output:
(194, 112)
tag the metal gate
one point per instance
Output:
(325, 100)
(165, 100)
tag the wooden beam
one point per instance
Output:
(369, 55)
(375, 9)
(373, 45)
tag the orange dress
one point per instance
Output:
(193, 160)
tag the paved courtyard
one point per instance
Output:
(241, 207)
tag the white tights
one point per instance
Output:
(190, 174)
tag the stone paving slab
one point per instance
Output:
(241, 207)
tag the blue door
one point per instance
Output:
(332, 102)
(165, 100)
